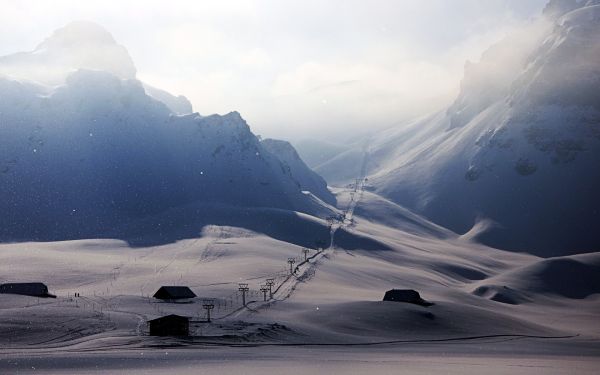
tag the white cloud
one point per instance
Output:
(290, 67)
(254, 58)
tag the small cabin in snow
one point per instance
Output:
(171, 293)
(405, 295)
(170, 325)
(26, 289)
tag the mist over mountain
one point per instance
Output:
(81, 45)
(307, 179)
(514, 160)
(179, 105)
(78, 45)
(89, 151)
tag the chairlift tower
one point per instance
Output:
(291, 261)
(270, 284)
(264, 289)
(305, 251)
(208, 305)
(243, 288)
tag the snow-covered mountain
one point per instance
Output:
(179, 105)
(306, 178)
(315, 152)
(78, 45)
(97, 154)
(516, 157)
(81, 45)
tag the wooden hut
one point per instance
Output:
(27, 289)
(171, 293)
(170, 325)
(405, 295)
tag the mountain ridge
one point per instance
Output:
(101, 151)
(518, 149)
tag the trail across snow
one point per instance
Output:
(301, 271)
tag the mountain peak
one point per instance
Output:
(78, 45)
(81, 46)
(77, 34)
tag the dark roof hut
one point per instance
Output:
(170, 325)
(174, 293)
(26, 289)
(405, 295)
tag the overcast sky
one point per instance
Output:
(292, 68)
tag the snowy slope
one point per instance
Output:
(519, 148)
(575, 277)
(334, 299)
(307, 179)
